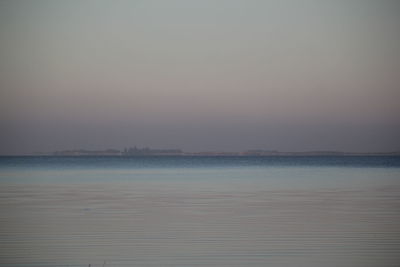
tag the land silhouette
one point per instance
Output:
(146, 151)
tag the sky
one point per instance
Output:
(221, 75)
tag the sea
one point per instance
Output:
(195, 211)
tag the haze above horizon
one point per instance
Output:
(200, 75)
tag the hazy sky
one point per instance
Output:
(200, 75)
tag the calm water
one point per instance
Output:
(200, 211)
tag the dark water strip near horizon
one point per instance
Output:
(195, 161)
(200, 211)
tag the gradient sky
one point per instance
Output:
(200, 75)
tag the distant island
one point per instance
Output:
(146, 151)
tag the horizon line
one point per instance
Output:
(146, 151)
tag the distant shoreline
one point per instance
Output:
(179, 153)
